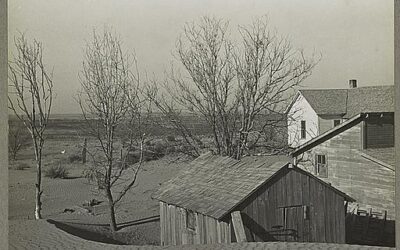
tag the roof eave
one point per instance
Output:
(323, 137)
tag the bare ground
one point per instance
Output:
(137, 215)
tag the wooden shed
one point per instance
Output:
(221, 200)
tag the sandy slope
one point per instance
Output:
(31, 234)
(26, 233)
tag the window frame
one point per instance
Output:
(321, 161)
(338, 121)
(190, 220)
(303, 129)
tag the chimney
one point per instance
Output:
(352, 83)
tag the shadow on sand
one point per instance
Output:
(103, 235)
(84, 234)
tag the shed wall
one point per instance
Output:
(174, 231)
(264, 218)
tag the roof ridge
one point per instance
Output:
(323, 89)
(360, 87)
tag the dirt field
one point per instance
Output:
(137, 214)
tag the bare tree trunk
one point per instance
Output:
(33, 90)
(38, 202)
(113, 222)
(38, 185)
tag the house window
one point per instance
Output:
(378, 131)
(336, 122)
(190, 220)
(303, 129)
(321, 167)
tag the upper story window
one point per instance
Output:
(378, 131)
(303, 130)
(321, 166)
(336, 122)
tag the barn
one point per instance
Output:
(264, 198)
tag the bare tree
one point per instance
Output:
(268, 71)
(233, 87)
(31, 99)
(173, 117)
(207, 57)
(111, 106)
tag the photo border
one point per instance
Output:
(4, 119)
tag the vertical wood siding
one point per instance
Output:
(263, 212)
(174, 231)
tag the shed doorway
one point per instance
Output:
(294, 225)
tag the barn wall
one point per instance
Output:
(301, 110)
(174, 231)
(369, 183)
(262, 213)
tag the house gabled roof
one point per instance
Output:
(326, 101)
(214, 185)
(370, 100)
(349, 102)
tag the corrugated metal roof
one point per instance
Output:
(213, 185)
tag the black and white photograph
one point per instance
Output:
(200, 124)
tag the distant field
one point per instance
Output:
(68, 126)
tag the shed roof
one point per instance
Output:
(350, 102)
(214, 185)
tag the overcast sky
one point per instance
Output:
(355, 37)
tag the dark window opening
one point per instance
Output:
(321, 167)
(336, 122)
(190, 220)
(379, 131)
(303, 129)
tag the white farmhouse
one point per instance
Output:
(315, 111)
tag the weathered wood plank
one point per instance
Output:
(320, 211)
(162, 223)
(197, 229)
(173, 225)
(238, 226)
(306, 201)
(329, 215)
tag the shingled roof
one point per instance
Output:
(369, 100)
(326, 101)
(350, 102)
(214, 185)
